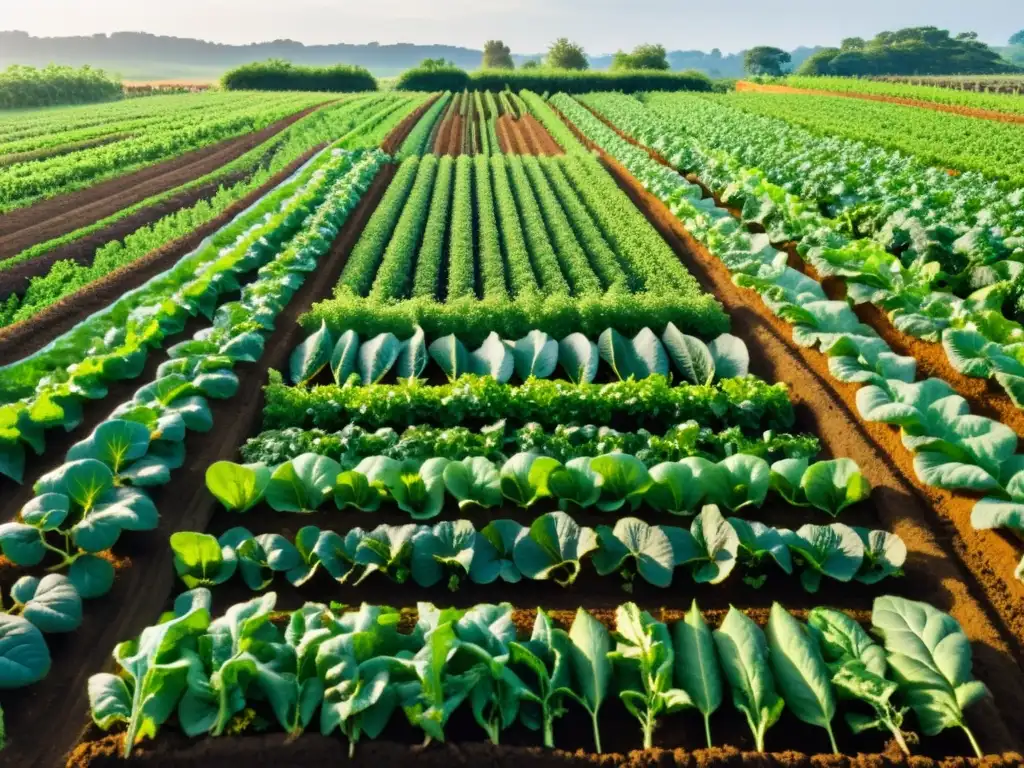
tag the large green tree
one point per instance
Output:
(1017, 39)
(643, 57)
(565, 54)
(497, 55)
(765, 60)
(910, 51)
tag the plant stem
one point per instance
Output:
(898, 735)
(974, 744)
(549, 731)
(832, 738)
(597, 733)
(707, 728)
(648, 726)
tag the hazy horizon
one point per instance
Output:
(527, 26)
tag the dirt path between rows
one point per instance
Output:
(397, 137)
(983, 114)
(28, 336)
(59, 216)
(35, 736)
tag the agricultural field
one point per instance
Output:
(499, 428)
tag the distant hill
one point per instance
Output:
(142, 56)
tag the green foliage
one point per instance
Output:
(433, 78)
(564, 54)
(573, 80)
(765, 60)
(497, 55)
(648, 56)
(910, 51)
(280, 75)
(745, 402)
(24, 87)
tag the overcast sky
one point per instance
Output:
(602, 26)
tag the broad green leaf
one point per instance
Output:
(730, 356)
(884, 555)
(450, 354)
(647, 546)
(24, 657)
(800, 672)
(832, 550)
(412, 356)
(344, 356)
(421, 493)
(588, 657)
(47, 512)
(747, 479)
(832, 486)
(536, 355)
(353, 489)
(199, 560)
(50, 603)
(717, 544)
(616, 350)
(115, 443)
(377, 356)
(649, 355)
(553, 547)
(674, 489)
(239, 487)
(622, 479)
(93, 576)
(474, 480)
(302, 484)
(493, 358)
(575, 484)
(930, 658)
(83, 481)
(690, 356)
(495, 545)
(696, 664)
(447, 547)
(312, 355)
(743, 652)
(524, 478)
(579, 358)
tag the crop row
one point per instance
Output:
(359, 669)
(953, 449)
(47, 389)
(24, 183)
(82, 507)
(498, 442)
(565, 248)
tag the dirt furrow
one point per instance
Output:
(37, 738)
(28, 336)
(58, 216)
(983, 114)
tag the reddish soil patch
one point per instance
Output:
(984, 114)
(504, 138)
(24, 338)
(455, 136)
(35, 736)
(58, 216)
(398, 135)
(545, 143)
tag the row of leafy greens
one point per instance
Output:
(360, 670)
(953, 449)
(553, 547)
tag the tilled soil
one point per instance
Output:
(28, 336)
(525, 136)
(393, 142)
(58, 216)
(35, 736)
(984, 114)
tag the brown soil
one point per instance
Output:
(443, 139)
(64, 149)
(58, 216)
(546, 145)
(985, 396)
(398, 135)
(275, 751)
(24, 338)
(984, 114)
(525, 136)
(35, 736)
(455, 136)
